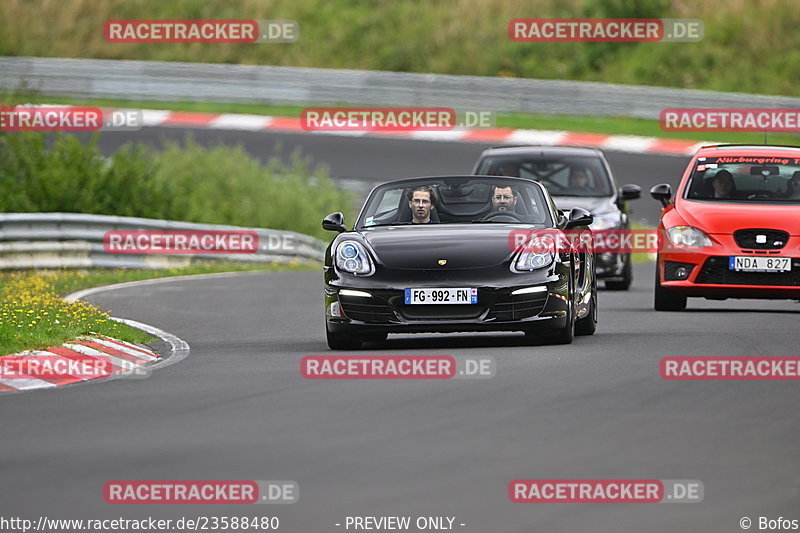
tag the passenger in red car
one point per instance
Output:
(723, 185)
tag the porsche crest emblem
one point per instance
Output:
(442, 262)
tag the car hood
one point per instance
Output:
(593, 205)
(461, 245)
(725, 218)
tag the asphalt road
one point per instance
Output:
(364, 162)
(238, 408)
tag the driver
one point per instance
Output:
(793, 186)
(503, 198)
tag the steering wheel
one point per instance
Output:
(498, 215)
(758, 195)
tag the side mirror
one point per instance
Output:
(630, 192)
(334, 222)
(662, 192)
(579, 217)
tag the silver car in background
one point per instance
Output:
(574, 177)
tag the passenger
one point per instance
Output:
(723, 184)
(423, 200)
(578, 178)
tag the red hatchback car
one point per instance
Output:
(733, 230)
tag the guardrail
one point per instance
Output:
(205, 82)
(72, 240)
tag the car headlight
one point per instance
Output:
(352, 257)
(537, 253)
(607, 221)
(688, 236)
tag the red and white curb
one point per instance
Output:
(129, 359)
(634, 144)
(120, 357)
(619, 143)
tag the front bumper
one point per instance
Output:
(705, 272)
(610, 266)
(384, 310)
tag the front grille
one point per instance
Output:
(671, 266)
(518, 306)
(715, 270)
(366, 309)
(440, 312)
(775, 239)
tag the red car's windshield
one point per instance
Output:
(745, 179)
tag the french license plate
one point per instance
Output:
(760, 264)
(441, 296)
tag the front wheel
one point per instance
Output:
(666, 300)
(566, 334)
(342, 341)
(588, 324)
(627, 278)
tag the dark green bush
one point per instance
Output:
(184, 181)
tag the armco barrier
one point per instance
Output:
(72, 240)
(205, 82)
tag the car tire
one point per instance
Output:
(666, 300)
(342, 341)
(566, 334)
(627, 278)
(588, 324)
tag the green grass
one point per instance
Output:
(32, 315)
(748, 46)
(601, 125)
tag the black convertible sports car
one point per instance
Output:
(453, 253)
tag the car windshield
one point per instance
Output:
(745, 179)
(562, 175)
(462, 200)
